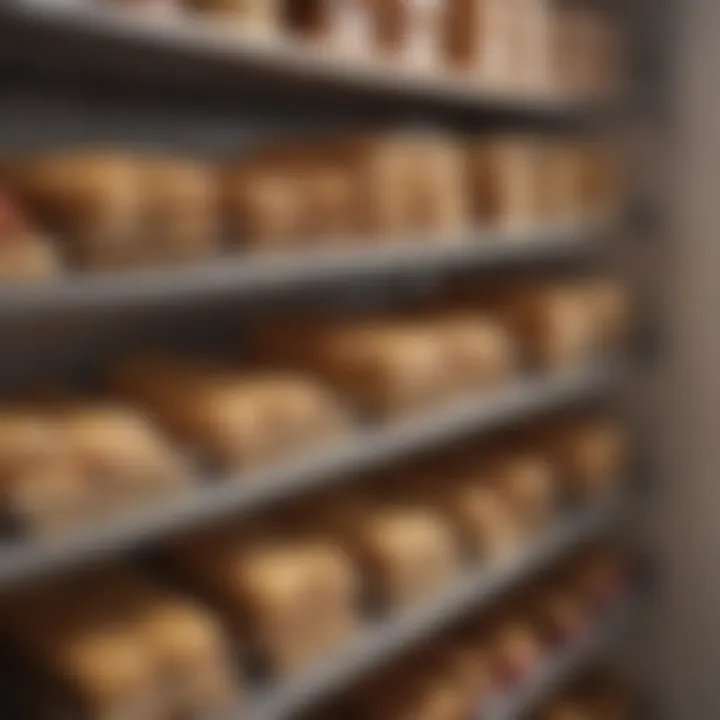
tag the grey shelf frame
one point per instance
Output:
(27, 559)
(76, 27)
(387, 639)
(245, 275)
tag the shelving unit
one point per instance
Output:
(476, 590)
(212, 58)
(84, 43)
(245, 494)
(247, 276)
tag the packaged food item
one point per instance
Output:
(25, 253)
(233, 419)
(588, 452)
(256, 17)
(115, 209)
(122, 457)
(412, 31)
(289, 601)
(527, 482)
(601, 180)
(348, 27)
(102, 643)
(561, 188)
(506, 180)
(610, 310)
(551, 321)
(485, 525)
(263, 207)
(180, 210)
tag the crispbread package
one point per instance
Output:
(404, 553)
(505, 180)
(233, 419)
(104, 645)
(113, 209)
(260, 17)
(349, 27)
(290, 601)
(386, 368)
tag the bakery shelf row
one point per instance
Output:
(130, 44)
(390, 637)
(562, 669)
(243, 276)
(24, 560)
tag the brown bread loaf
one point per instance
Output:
(349, 27)
(121, 456)
(233, 418)
(386, 368)
(180, 210)
(291, 601)
(91, 199)
(506, 180)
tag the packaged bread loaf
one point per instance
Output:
(91, 199)
(122, 457)
(291, 601)
(560, 613)
(180, 210)
(233, 419)
(404, 553)
(263, 206)
(256, 17)
(588, 451)
(601, 182)
(42, 490)
(485, 525)
(560, 187)
(386, 368)
(611, 313)
(349, 27)
(412, 32)
(551, 322)
(506, 180)
(600, 576)
(101, 643)
(527, 482)
(25, 253)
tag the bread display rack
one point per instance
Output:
(72, 48)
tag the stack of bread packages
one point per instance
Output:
(64, 463)
(463, 670)
(112, 644)
(116, 209)
(391, 366)
(556, 322)
(338, 190)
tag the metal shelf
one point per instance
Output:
(220, 55)
(22, 560)
(244, 275)
(560, 669)
(390, 637)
